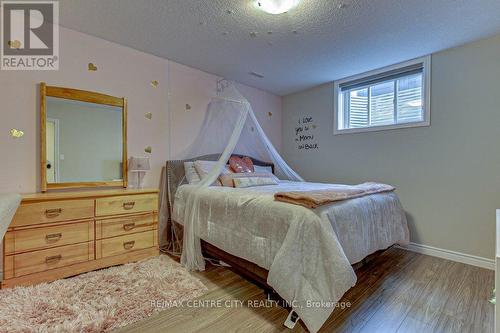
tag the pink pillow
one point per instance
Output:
(248, 161)
(238, 165)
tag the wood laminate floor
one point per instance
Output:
(398, 292)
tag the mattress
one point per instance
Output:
(248, 223)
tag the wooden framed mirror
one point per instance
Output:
(83, 139)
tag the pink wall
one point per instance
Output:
(121, 72)
(196, 88)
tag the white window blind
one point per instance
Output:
(384, 99)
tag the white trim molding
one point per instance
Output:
(497, 275)
(451, 255)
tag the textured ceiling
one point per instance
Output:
(316, 42)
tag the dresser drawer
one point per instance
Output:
(126, 204)
(39, 261)
(125, 225)
(48, 237)
(119, 245)
(53, 211)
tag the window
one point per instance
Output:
(392, 97)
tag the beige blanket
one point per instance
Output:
(316, 198)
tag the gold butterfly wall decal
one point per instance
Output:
(92, 67)
(154, 83)
(15, 133)
(148, 149)
(148, 115)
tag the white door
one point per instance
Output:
(52, 166)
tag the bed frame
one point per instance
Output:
(248, 270)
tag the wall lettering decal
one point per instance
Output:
(305, 134)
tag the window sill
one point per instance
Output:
(380, 128)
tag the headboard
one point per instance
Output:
(175, 173)
(173, 176)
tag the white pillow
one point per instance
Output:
(247, 179)
(192, 175)
(204, 167)
(254, 181)
(262, 169)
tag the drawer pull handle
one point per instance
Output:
(52, 238)
(128, 205)
(50, 213)
(129, 226)
(128, 245)
(53, 259)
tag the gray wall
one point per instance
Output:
(447, 175)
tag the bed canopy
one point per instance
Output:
(230, 127)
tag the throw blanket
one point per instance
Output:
(315, 198)
(8, 207)
(307, 266)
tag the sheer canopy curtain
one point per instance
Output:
(230, 126)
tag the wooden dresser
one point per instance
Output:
(57, 235)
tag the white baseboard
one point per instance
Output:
(451, 255)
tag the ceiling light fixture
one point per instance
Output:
(276, 6)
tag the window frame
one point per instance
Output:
(426, 91)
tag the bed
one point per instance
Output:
(245, 227)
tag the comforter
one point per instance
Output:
(300, 247)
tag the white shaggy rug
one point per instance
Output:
(98, 301)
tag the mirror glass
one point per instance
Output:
(84, 141)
